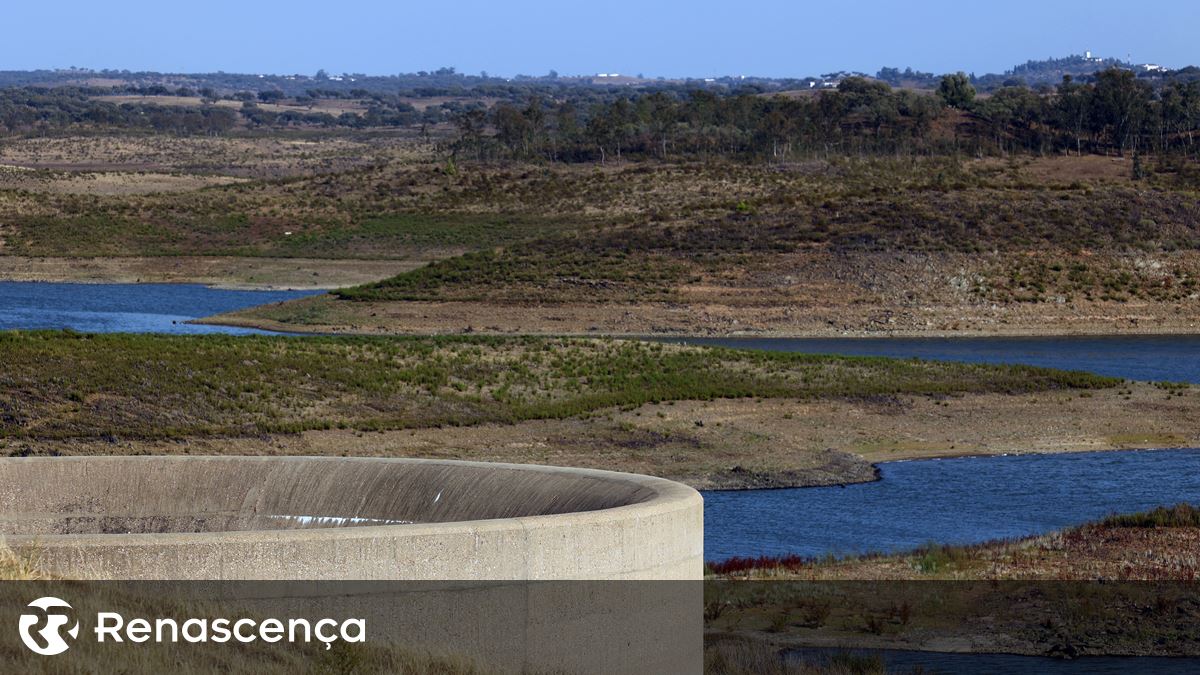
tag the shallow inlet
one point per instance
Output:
(126, 308)
(1134, 357)
(948, 501)
(302, 517)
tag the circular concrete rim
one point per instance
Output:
(669, 496)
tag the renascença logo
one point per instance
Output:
(51, 634)
(42, 631)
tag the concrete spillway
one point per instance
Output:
(340, 518)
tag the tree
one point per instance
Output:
(1073, 106)
(566, 126)
(956, 90)
(659, 111)
(470, 125)
(889, 75)
(1121, 106)
(511, 127)
(1014, 114)
(775, 127)
(535, 123)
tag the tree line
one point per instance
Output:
(1115, 112)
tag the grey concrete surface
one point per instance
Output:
(228, 518)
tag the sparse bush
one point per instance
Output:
(1180, 515)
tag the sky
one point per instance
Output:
(698, 38)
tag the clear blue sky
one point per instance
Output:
(671, 38)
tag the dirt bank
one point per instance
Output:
(226, 272)
(810, 293)
(747, 443)
(326, 315)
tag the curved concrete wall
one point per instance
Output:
(223, 518)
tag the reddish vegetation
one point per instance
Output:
(738, 564)
(1159, 545)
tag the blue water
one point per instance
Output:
(972, 499)
(125, 308)
(953, 501)
(1174, 358)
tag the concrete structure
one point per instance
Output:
(228, 518)
(452, 557)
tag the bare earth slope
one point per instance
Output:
(816, 293)
(1049, 246)
(823, 247)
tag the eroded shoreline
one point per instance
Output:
(326, 315)
(225, 272)
(737, 444)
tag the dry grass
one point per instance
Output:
(225, 272)
(703, 219)
(19, 566)
(333, 106)
(277, 155)
(113, 183)
(1059, 169)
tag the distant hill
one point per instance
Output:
(1033, 74)
(448, 82)
(424, 84)
(1051, 71)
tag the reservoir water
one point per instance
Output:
(125, 308)
(950, 500)
(966, 500)
(1174, 358)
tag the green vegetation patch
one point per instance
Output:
(66, 385)
(1180, 515)
(546, 271)
(404, 231)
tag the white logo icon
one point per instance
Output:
(51, 634)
